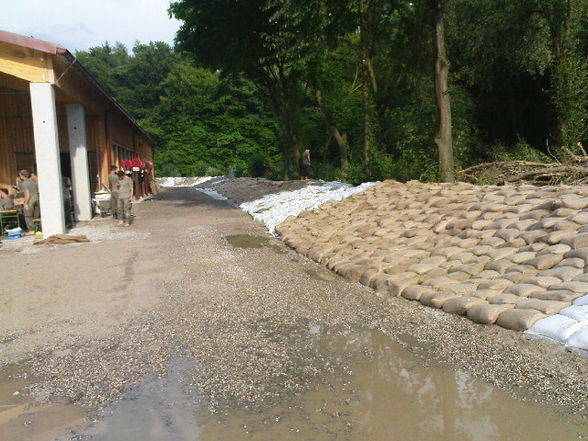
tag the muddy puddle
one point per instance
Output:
(247, 241)
(250, 241)
(378, 391)
(23, 420)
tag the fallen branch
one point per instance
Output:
(503, 164)
(566, 169)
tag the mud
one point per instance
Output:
(247, 241)
(372, 388)
(22, 419)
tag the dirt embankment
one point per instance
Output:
(241, 190)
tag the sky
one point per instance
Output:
(80, 24)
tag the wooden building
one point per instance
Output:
(55, 118)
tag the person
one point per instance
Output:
(31, 199)
(6, 199)
(67, 202)
(305, 165)
(113, 188)
(125, 194)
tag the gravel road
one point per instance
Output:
(96, 318)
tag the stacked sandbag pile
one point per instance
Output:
(509, 255)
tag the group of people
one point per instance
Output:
(121, 195)
(27, 189)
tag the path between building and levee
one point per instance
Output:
(196, 310)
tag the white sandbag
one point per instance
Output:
(556, 327)
(578, 342)
(273, 209)
(580, 301)
(576, 312)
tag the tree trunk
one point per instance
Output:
(365, 95)
(443, 138)
(341, 139)
(366, 127)
(286, 157)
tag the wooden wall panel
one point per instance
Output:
(122, 130)
(16, 131)
(16, 134)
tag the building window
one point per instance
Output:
(122, 153)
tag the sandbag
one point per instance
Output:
(576, 312)
(487, 314)
(544, 306)
(581, 300)
(519, 319)
(460, 305)
(557, 295)
(556, 328)
(578, 342)
(416, 291)
(437, 299)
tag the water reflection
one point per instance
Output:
(23, 420)
(371, 389)
(391, 394)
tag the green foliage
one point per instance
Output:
(253, 82)
(521, 151)
(210, 121)
(258, 165)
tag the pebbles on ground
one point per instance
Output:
(244, 314)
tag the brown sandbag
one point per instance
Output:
(460, 305)
(519, 319)
(557, 295)
(62, 239)
(415, 292)
(544, 306)
(436, 300)
(487, 314)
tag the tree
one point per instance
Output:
(570, 76)
(141, 81)
(206, 123)
(107, 63)
(239, 36)
(444, 137)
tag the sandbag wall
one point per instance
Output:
(510, 255)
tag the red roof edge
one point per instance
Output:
(31, 43)
(52, 48)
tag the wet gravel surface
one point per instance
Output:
(243, 313)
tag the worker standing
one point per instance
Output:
(125, 195)
(305, 166)
(31, 199)
(113, 184)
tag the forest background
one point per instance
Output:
(251, 83)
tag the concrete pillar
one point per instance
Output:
(47, 156)
(78, 152)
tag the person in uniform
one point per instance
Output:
(6, 199)
(113, 188)
(125, 194)
(31, 199)
(67, 201)
(305, 165)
